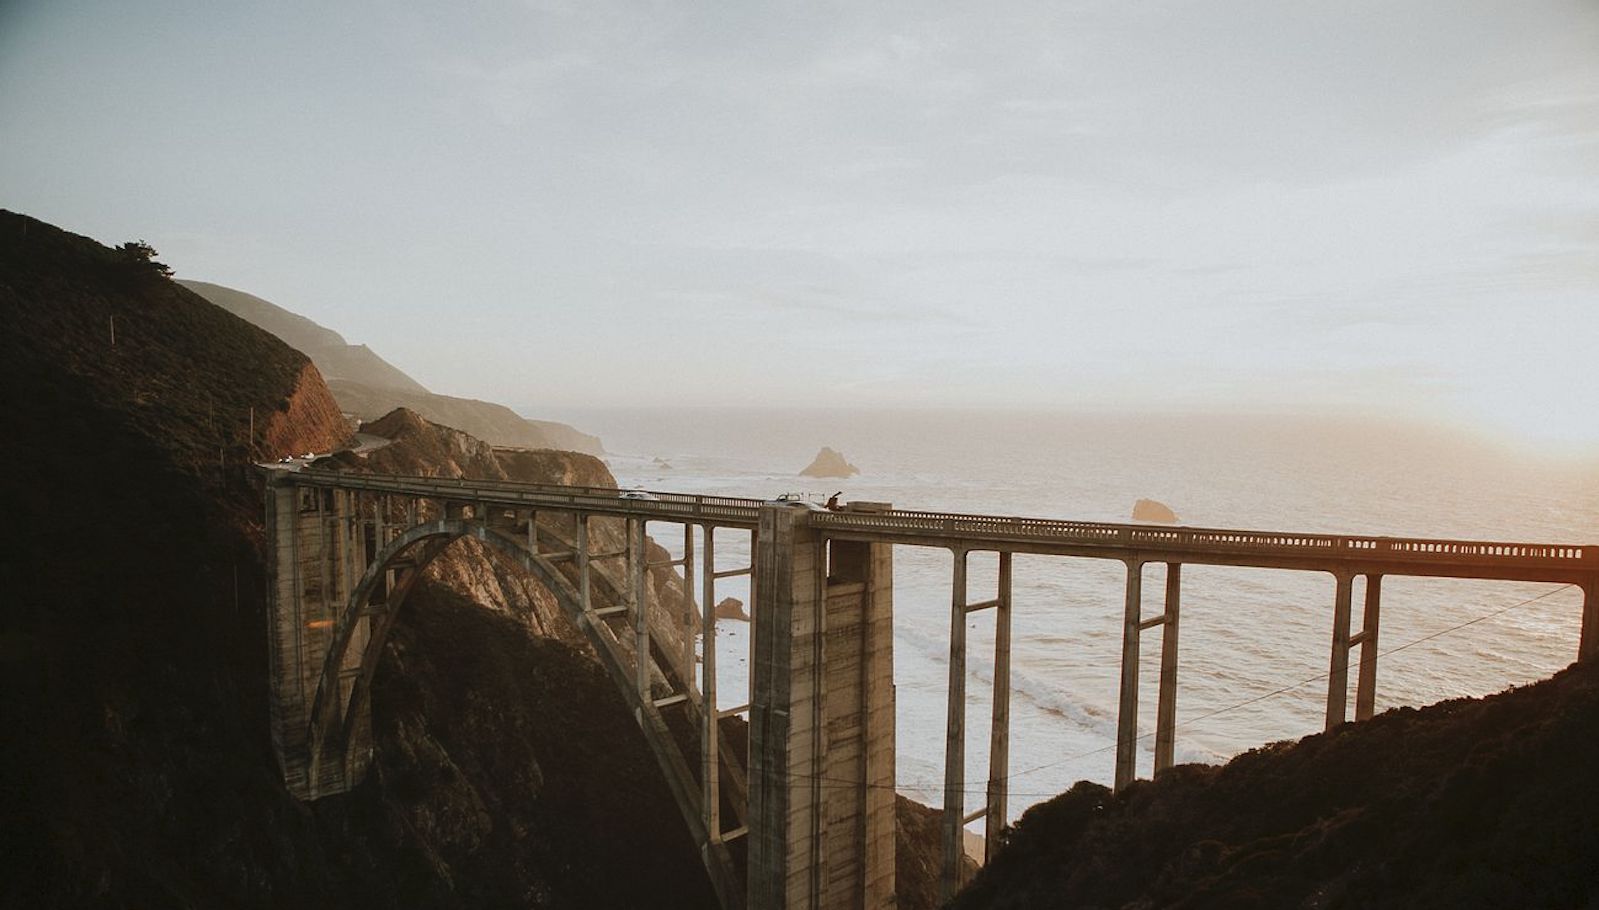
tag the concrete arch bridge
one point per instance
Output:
(809, 821)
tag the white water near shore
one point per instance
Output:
(1245, 633)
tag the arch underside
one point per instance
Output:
(339, 753)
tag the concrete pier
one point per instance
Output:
(318, 550)
(822, 715)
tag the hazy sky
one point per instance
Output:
(1208, 204)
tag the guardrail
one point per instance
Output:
(664, 506)
(1000, 529)
(941, 527)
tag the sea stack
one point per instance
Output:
(1151, 510)
(732, 608)
(829, 463)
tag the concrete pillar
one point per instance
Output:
(1166, 708)
(585, 589)
(638, 551)
(783, 755)
(316, 552)
(821, 828)
(690, 621)
(999, 730)
(288, 708)
(1338, 675)
(1366, 681)
(1127, 711)
(857, 784)
(710, 728)
(955, 737)
(1588, 646)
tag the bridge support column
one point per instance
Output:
(638, 550)
(954, 819)
(999, 729)
(1127, 711)
(1338, 674)
(710, 716)
(821, 830)
(585, 584)
(1366, 685)
(316, 551)
(690, 620)
(1166, 708)
(1588, 647)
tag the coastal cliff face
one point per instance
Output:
(310, 421)
(136, 769)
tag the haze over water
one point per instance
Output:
(1245, 632)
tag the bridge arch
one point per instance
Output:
(332, 719)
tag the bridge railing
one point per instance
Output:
(663, 505)
(998, 529)
(1129, 536)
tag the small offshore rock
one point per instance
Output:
(829, 463)
(732, 608)
(1152, 510)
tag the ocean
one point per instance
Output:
(1254, 643)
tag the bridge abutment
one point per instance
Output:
(822, 715)
(318, 552)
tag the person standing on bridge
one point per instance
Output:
(832, 502)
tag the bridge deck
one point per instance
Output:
(1154, 543)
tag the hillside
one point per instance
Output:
(369, 387)
(494, 423)
(336, 358)
(136, 769)
(1467, 803)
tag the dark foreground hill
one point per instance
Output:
(135, 764)
(1469, 803)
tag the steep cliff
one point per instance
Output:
(136, 770)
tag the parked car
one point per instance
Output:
(796, 501)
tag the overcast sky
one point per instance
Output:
(1153, 205)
